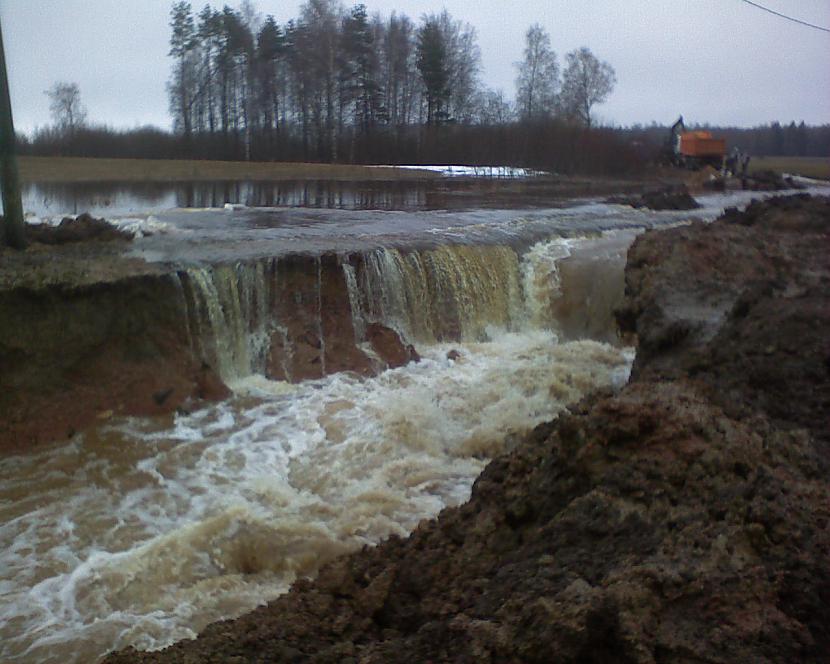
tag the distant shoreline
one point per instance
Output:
(88, 169)
(84, 169)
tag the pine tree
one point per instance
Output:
(433, 67)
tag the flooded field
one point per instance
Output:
(119, 198)
(473, 189)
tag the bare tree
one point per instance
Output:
(538, 79)
(400, 73)
(209, 35)
(359, 76)
(494, 108)
(182, 85)
(587, 81)
(434, 69)
(464, 65)
(322, 19)
(250, 16)
(269, 69)
(65, 105)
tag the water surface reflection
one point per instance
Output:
(119, 198)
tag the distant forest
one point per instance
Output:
(338, 85)
(770, 140)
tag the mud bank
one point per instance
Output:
(686, 518)
(141, 340)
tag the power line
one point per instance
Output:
(789, 18)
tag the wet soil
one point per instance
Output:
(684, 519)
(122, 338)
(83, 228)
(666, 198)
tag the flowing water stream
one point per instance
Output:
(142, 531)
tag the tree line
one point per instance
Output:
(334, 82)
(339, 85)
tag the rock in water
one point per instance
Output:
(667, 198)
(389, 347)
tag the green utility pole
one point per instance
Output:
(9, 178)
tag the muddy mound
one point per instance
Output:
(770, 181)
(668, 198)
(739, 305)
(798, 213)
(684, 519)
(83, 228)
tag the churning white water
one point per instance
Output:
(141, 532)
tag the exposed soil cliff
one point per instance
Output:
(741, 307)
(70, 356)
(86, 334)
(685, 519)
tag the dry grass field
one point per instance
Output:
(77, 169)
(811, 167)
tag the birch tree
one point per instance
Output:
(587, 81)
(65, 105)
(538, 79)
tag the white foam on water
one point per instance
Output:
(144, 531)
(809, 182)
(142, 226)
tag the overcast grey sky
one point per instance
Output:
(717, 61)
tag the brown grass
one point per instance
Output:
(77, 169)
(811, 167)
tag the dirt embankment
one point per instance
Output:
(86, 334)
(72, 356)
(685, 519)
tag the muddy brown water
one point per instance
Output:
(141, 531)
(118, 198)
(121, 198)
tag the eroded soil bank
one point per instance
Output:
(684, 519)
(125, 338)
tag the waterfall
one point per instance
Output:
(268, 315)
(231, 316)
(541, 282)
(320, 334)
(450, 292)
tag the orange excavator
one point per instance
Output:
(694, 149)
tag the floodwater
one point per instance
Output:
(142, 531)
(120, 198)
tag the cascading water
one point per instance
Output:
(229, 316)
(142, 531)
(448, 293)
